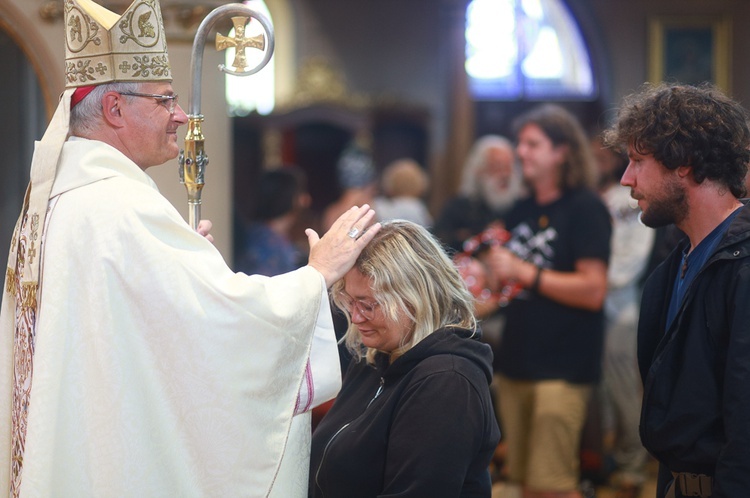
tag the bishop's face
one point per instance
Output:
(151, 128)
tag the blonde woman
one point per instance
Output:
(414, 416)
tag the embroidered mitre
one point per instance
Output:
(101, 46)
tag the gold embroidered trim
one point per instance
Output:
(31, 250)
(10, 280)
(28, 293)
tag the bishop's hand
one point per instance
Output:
(334, 254)
(204, 227)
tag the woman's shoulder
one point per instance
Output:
(448, 362)
(446, 365)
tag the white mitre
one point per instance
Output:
(101, 46)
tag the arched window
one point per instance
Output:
(526, 50)
(245, 94)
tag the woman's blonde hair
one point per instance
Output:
(409, 273)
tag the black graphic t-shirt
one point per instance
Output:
(543, 339)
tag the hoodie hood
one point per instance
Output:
(450, 340)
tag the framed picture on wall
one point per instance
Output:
(690, 49)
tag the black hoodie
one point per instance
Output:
(422, 427)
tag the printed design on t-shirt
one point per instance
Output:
(535, 247)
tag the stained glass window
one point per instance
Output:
(526, 50)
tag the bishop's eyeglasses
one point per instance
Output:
(168, 101)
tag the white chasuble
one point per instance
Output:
(157, 370)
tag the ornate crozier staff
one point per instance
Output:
(193, 159)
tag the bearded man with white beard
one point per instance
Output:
(490, 184)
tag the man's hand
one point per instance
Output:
(204, 226)
(335, 253)
(585, 287)
(507, 267)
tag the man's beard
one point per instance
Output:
(501, 200)
(670, 208)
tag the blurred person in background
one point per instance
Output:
(357, 178)
(490, 184)
(267, 246)
(550, 354)
(632, 243)
(404, 184)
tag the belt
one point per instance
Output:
(690, 484)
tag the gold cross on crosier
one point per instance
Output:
(240, 43)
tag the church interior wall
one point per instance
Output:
(624, 31)
(386, 49)
(394, 47)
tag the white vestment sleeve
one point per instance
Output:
(322, 382)
(323, 373)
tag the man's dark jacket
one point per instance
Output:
(696, 402)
